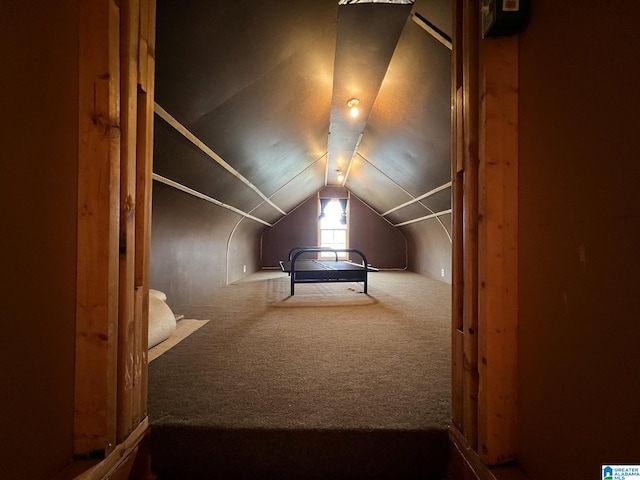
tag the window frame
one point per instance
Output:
(345, 229)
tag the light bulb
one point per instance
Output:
(352, 104)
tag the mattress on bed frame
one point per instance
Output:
(304, 270)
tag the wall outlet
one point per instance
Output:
(244, 269)
(442, 272)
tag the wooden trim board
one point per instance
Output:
(98, 226)
(184, 328)
(498, 251)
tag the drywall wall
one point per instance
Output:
(244, 248)
(383, 245)
(579, 229)
(430, 247)
(189, 245)
(38, 126)
(298, 229)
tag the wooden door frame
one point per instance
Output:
(115, 144)
(485, 246)
(114, 58)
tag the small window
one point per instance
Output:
(333, 225)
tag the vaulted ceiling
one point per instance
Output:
(251, 103)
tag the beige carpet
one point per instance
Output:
(273, 379)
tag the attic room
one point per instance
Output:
(297, 136)
(187, 147)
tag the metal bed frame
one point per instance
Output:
(305, 270)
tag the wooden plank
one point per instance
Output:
(470, 40)
(459, 130)
(144, 175)
(129, 23)
(98, 217)
(465, 463)
(184, 328)
(144, 165)
(457, 378)
(140, 344)
(498, 265)
(144, 182)
(143, 46)
(457, 270)
(120, 458)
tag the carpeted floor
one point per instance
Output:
(329, 383)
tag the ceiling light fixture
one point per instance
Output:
(340, 175)
(353, 103)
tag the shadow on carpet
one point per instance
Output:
(189, 452)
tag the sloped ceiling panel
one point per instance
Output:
(184, 163)
(367, 34)
(207, 52)
(252, 81)
(277, 126)
(261, 83)
(311, 179)
(371, 185)
(408, 134)
(438, 202)
(438, 13)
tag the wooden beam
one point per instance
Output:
(123, 454)
(143, 46)
(498, 262)
(457, 376)
(140, 349)
(112, 291)
(464, 461)
(457, 265)
(129, 23)
(98, 217)
(144, 182)
(470, 39)
(458, 129)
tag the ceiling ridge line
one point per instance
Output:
(202, 196)
(166, 116)
(346, 145)
(326, 167)
(417, 199)
(355, 152)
